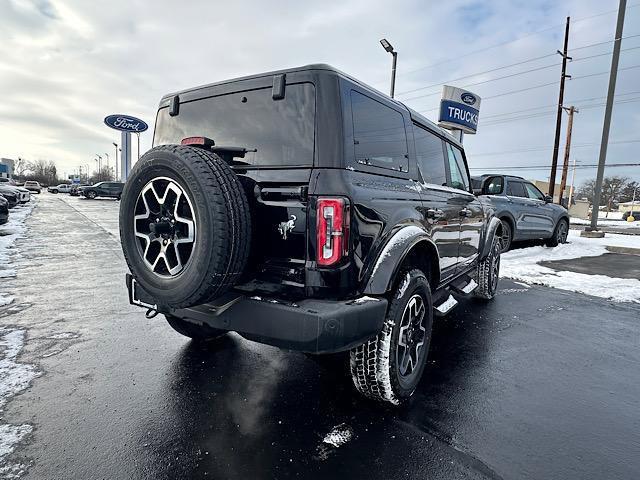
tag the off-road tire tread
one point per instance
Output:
(483, 291)
(370, 362)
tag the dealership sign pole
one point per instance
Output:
(459, 110)
(126, 124)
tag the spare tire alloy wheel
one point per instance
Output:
(185, 226)
(165, 224)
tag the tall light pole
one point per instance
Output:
(138, 144)
(116, 146)
(389, 48)
(613, 75)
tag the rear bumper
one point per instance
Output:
(310, 325)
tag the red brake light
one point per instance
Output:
(204, 141)
(332, 230)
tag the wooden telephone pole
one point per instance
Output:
(567, 150)
(556, 142)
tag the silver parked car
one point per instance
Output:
(526, 213)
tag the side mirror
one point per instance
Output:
(548, 199)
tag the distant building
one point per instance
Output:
(626, 206)
(7, 167)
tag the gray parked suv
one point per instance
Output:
(526, 213)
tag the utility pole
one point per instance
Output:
(556, 142)
(573, 178)
(567, 149)
(613, 75)
(116, 146)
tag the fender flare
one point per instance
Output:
(491, 230)
(391, 257)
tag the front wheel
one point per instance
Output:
(559, 234)
(389, 366)
(91, 194)
(198, 333)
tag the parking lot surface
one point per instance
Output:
(539, 383)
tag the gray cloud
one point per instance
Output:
(64, 65)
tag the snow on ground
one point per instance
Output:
(14, 378)
(608, 223)
(522, 264)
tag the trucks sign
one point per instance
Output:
(459, 110)
(126, 123)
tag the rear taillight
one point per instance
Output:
(332, 230)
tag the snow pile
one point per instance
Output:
(523, 265)
(14, 378)
(9, 233)
(608, 223)
(339, 435)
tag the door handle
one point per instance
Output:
(465, 212)
(435, 213)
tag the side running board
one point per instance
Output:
(445, 307)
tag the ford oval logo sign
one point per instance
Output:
(126, 123)
(468, 98)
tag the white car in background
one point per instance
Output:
(33, 186)
(24, 195)
(62, 188)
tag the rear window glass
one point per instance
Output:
(430, 156)
(516, 189)
(379, 135)
(282, 131)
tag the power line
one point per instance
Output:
(508, 76)
(544, 167)
(543, 148)
(474, 52)
(542, 85)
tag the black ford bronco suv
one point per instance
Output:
(306, 210)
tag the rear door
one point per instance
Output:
(466, 205)
(524, 209)
(440, 215)
(544, 218)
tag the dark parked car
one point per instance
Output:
(527, 213)
(76, 190)
(104, 189)
(4, 210)
(306, 210)
(11, 194)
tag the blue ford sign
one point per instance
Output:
(459, 110)
(126, 123)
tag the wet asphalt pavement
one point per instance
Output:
(540, 383)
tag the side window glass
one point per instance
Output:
(516, 189)
(495, 186)
(430, 156)
(459, 178)
(533, 192)
(379, 135)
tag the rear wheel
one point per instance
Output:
(199, 333)
(489, 272)
(559, 234)
(389, 366)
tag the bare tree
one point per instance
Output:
(612, 190)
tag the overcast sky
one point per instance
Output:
(64, 65)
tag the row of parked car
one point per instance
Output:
(11, 195)
(100, 189)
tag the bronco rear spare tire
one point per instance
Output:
(185, 225)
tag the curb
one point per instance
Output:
(627, 250)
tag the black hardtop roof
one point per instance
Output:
(417, 117)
